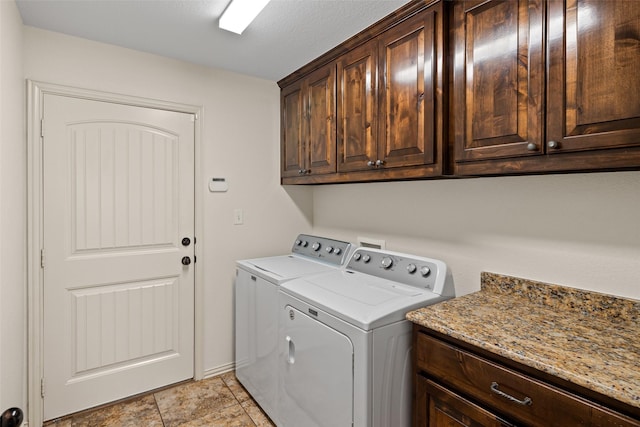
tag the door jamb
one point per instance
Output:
(35, 303)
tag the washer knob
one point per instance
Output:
(316, 246)
(337, 251)
(411, 268)
(387, 262)
(425, 271)
(357, 256)
(366, 258)
(298, 242)
(329, 249)
(304, 243)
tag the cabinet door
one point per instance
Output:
(357, 108)
(293, 153)
(594, 88)
(443, 408)
(321, 129)
(498, 79)
(410, 65)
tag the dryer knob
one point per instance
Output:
(298, 242)
(316, 246)
(329, 249)
(357, 256)
(305, 243)
(387, 262)
(366, 258)
(425, 271)
(337, 251)
(411, 268)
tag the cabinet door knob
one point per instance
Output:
(552, 144)
(371, 163)
(532, 147)
(380, 162)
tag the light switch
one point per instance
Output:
(238, 217)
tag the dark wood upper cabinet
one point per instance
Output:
(358, 108)
(308, 125)
(410, 73)
(534, 94)
(293, 149)
(498, 79)
(389, 103)
(593, 99)
(469, 87)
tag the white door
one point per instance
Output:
(316, 373)
(118, 201)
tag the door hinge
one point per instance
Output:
(195, 259)
(42, 258)
(42, 387)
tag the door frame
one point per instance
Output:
(35, 301)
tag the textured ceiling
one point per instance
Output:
(286, 34)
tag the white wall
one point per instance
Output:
(240, 142)
(12, 212)
(578, 230)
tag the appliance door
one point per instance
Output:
(316, 367)
(256, 339)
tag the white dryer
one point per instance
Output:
(256, 310)
(345, 345)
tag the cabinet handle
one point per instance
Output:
(524, 402)
(303, 171)
(380, 162)
(532, 147)
(552, 144)
(370, 163)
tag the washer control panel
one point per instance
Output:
(397, 267)
(326, 249)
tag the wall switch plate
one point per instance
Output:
(238, 217)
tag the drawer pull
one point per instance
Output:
(524, 402)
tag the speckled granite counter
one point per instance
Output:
(587, 338)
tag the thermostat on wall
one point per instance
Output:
(218, 185)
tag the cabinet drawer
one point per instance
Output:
(508, 392)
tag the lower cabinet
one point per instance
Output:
(454, 386)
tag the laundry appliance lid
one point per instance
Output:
(285, 267)
(360, 299)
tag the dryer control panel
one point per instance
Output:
(323, 248)
(407, 269)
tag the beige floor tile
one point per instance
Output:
(139, 412)
(234, 385)
(193, 401)
(257, 415)
(231, 416)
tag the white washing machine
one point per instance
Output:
(345, 345)
(257, 311)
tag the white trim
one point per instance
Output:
(35, 95)
(219, 370)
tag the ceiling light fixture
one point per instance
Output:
(239, 14)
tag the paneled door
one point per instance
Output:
(118, 251)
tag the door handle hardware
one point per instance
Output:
(524, 402)
(186, 241)
(186, 260)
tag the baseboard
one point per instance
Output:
(219, 370)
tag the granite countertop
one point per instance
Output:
(587, 338)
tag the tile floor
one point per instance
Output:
(217, 402)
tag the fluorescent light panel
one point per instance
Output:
(239, 14)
